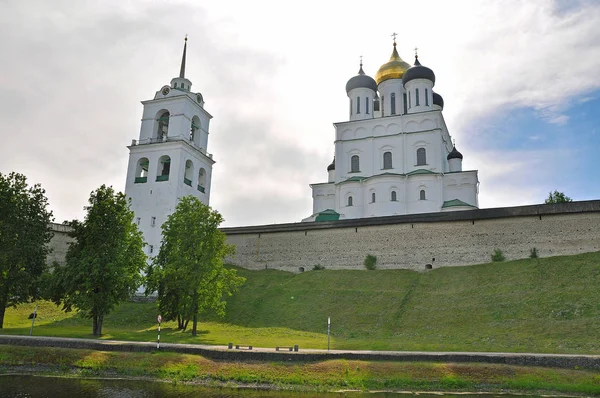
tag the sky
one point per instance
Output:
(519, 81)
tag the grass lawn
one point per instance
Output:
(325, 375)
(534, 305)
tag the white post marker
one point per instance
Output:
(328, 331)
(158, 341)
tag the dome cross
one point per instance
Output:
(394, 36)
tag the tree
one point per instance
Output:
(104, 263)
(188, 273)
(557, 197)
(24, 237)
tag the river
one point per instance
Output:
(17, 386)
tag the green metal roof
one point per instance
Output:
(455, 203)
(327, 215)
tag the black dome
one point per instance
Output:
(454, 154)
(418, 72)
(438, 100)
(331, 166)
(361, 81)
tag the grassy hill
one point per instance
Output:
(533, 305)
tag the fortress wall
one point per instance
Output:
(440, 239)
(59, 243)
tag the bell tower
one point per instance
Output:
(169, 160)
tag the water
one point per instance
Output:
(12, 386)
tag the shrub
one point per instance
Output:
(318, 267)
(370, 262)
(498, 256)
(533, 253)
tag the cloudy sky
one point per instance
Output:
(519, 80)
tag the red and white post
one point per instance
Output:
(158, 341)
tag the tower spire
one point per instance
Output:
(182, 70)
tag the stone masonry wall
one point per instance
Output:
(59, 243)
(412, 242)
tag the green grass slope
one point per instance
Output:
(533, 305)
(541, 305)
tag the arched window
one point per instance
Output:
(351, 102)
(421, 157)
(357, 105)
(141, 171)
(394, 198)
(372, 197)
(194, 127)
(416, 97)
(201, 180)
(164, 168)
(163, 125)
(393, 103)
(422, 195)
(405, 103)
(382, 105)
(354, 164)
(349, 200)
(409, 101)
(367, 105)
(426, 97)
(387, 160)
(189, 172)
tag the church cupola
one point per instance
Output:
(418, 82)
(455, 160)
(361, 90)
(331, 171)
(393, 69)
(389, 84)
(438, 102)
(181, 83)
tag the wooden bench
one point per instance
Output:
(289, 348)
(239, 346)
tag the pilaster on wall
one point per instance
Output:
(416, 241)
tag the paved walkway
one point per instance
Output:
(270, 354)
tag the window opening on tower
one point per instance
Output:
(421, 157)
(354, 164)
(163, 126)
(387, 160)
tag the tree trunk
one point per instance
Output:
(2, 310)
(195, 325)
(180, 323)
(3, 301)
(185, 324)
(97, 325)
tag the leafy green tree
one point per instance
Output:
(188, 273)
(557, 197)
(104, 264)
(24, 237)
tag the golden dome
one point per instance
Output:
(393, 69)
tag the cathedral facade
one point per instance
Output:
(394, 155)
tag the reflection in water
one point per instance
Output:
(41, 387)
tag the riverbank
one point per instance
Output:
(325, 375)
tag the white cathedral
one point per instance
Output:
(394, 155)
(169, 160)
